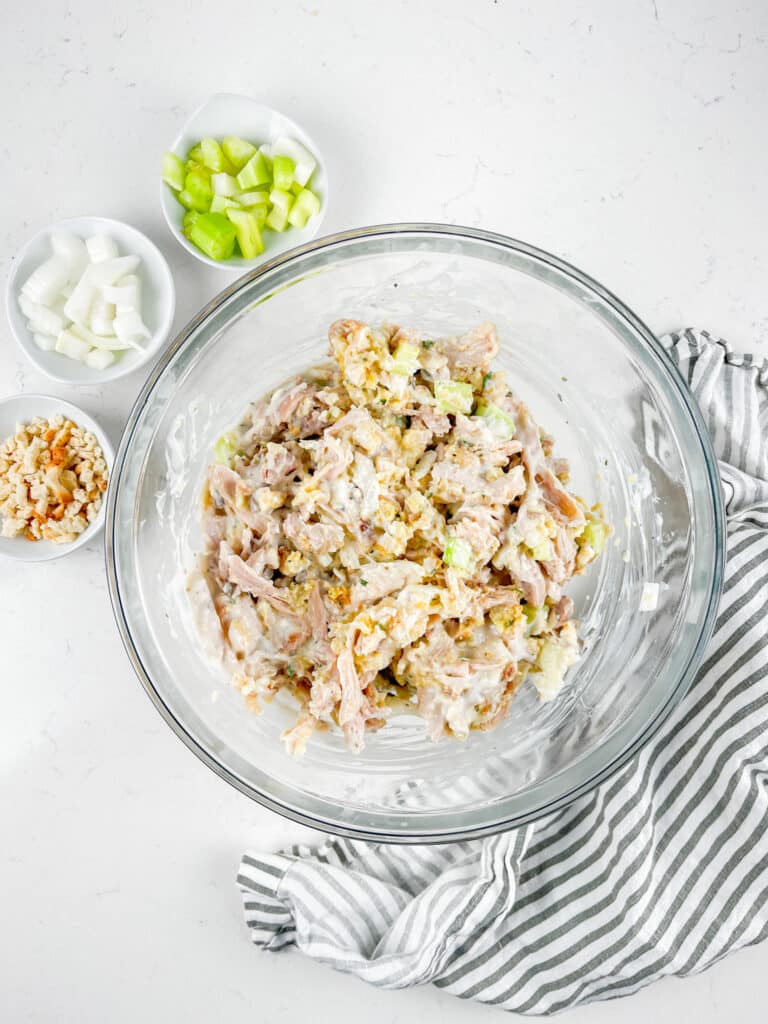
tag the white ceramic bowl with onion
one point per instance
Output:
(23, 409)
(158, 299)
(228, 114)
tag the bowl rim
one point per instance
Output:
(241, 264)
(82, 418)
(614, 763)
(165, 286)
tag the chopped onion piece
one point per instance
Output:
(69, 344)
(78, 306)
(130, 327)
(101, 248)
(126, 294)
(110, 271)
(44, 341)
(45, 283)
(102, 315)
(73, 251)
(99, 359)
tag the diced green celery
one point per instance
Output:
(237, 151)
(213, 156)
(536, 618)
(296, 188)
(213, 234)
(458, 554)
(223, 184)
(225, 448)
(198, 184)
(173, 171)
(594, 535)
(255, 198)
(195, 155)
(248, 233)
(221, 203)
(283, 168)
(281, 207)
(307, 205)
(543, 551)
(498, 422)
(189, 219)
(191, 202)
(256, 172)
(453, 396)
(406, 357)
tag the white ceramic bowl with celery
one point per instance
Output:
(226, 116)
(90, 299)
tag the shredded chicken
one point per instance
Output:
(374, 548)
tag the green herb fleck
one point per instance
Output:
(486, 378)
(363, 583)
(290, 671)
(428, 343)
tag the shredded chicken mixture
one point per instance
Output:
(391, 532)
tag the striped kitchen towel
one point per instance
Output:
(661, 870)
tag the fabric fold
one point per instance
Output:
(661, 870)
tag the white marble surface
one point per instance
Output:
(627, 137)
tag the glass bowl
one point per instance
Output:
(594, 376)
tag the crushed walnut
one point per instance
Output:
(53, 476)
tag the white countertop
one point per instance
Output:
(627, 137)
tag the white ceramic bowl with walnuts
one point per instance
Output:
(55, 463)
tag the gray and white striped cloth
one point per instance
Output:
(661, 870)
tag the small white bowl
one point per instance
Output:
(22, 409)
(228, 114)
(158, 299)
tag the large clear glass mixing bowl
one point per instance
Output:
(595, 378)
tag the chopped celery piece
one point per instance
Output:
(458, 554)
(223, 184)
(256, 172)
(195, 155)
(248, 233)
(255, 198)
(453, 396)
(595, 535)
(543, 551)
(213, 234)
(529, 611)
(221, 203)
(189, 219)
(498, 422)
(296, 188)
(173, 171)
(191, 202)
(225, 448)
(281, 207)
(307, 205)
(198, 184)
(237, 151)
(406, 357)
(283, 168)
(213, 156)
(305, 162)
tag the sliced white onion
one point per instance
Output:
(126, 294)
(72, 250)
(99, 358)
(130, 327)
(68, 344)
(101, 248)
(44, 284)
(102, 315)
(44, 341)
